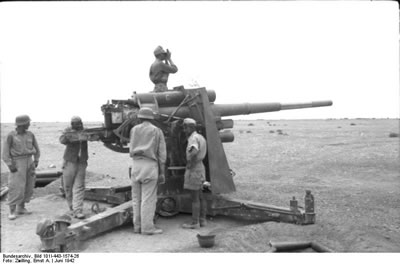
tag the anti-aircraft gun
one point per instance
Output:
(170, 108)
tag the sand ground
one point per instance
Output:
(351, 166)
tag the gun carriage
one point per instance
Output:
(170, 109)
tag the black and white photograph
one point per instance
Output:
(198, 127)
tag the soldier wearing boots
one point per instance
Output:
(74, 167)
(148, 152)
(195, 173)
(19, 148)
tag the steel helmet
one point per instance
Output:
(145, 113)
(159, 50)
(63, 218)
(22, 120)
(76, 119)
(45, 227)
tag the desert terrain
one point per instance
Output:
(351, 166)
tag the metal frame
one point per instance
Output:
(172, 198)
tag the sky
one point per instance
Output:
(60, 59)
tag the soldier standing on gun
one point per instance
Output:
(148, 151)
(160, 70)
(74, 168)
(18, 150)
(195, 173)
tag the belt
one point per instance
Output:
(22, 156)
(140, 157)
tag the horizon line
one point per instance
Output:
(287, 119)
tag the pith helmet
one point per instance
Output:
(145, 113)
(76, 119)
(22, 120)
(159, 50)
(189, 121)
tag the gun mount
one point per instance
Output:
(120, 115)
(171, 108)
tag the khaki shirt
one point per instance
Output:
(196, 147)
(19, 146)
(159, 71)
(147, 140)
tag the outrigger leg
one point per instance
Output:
(66, 239)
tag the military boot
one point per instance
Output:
(195, 217)
(22, 210)
(203, 213)
(12, 215)
(79, 215)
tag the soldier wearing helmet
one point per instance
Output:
(195, 173)
(74, 167)
(148, 152)
(19, 148)
(161, 68)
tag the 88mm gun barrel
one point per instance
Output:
(254, 108)
(245, 108)
(175, 103)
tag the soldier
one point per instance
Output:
(18, 150)
(74, 167)
(148, 151)
(160, 70)
(195, 173)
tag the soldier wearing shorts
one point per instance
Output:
(195, 173)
